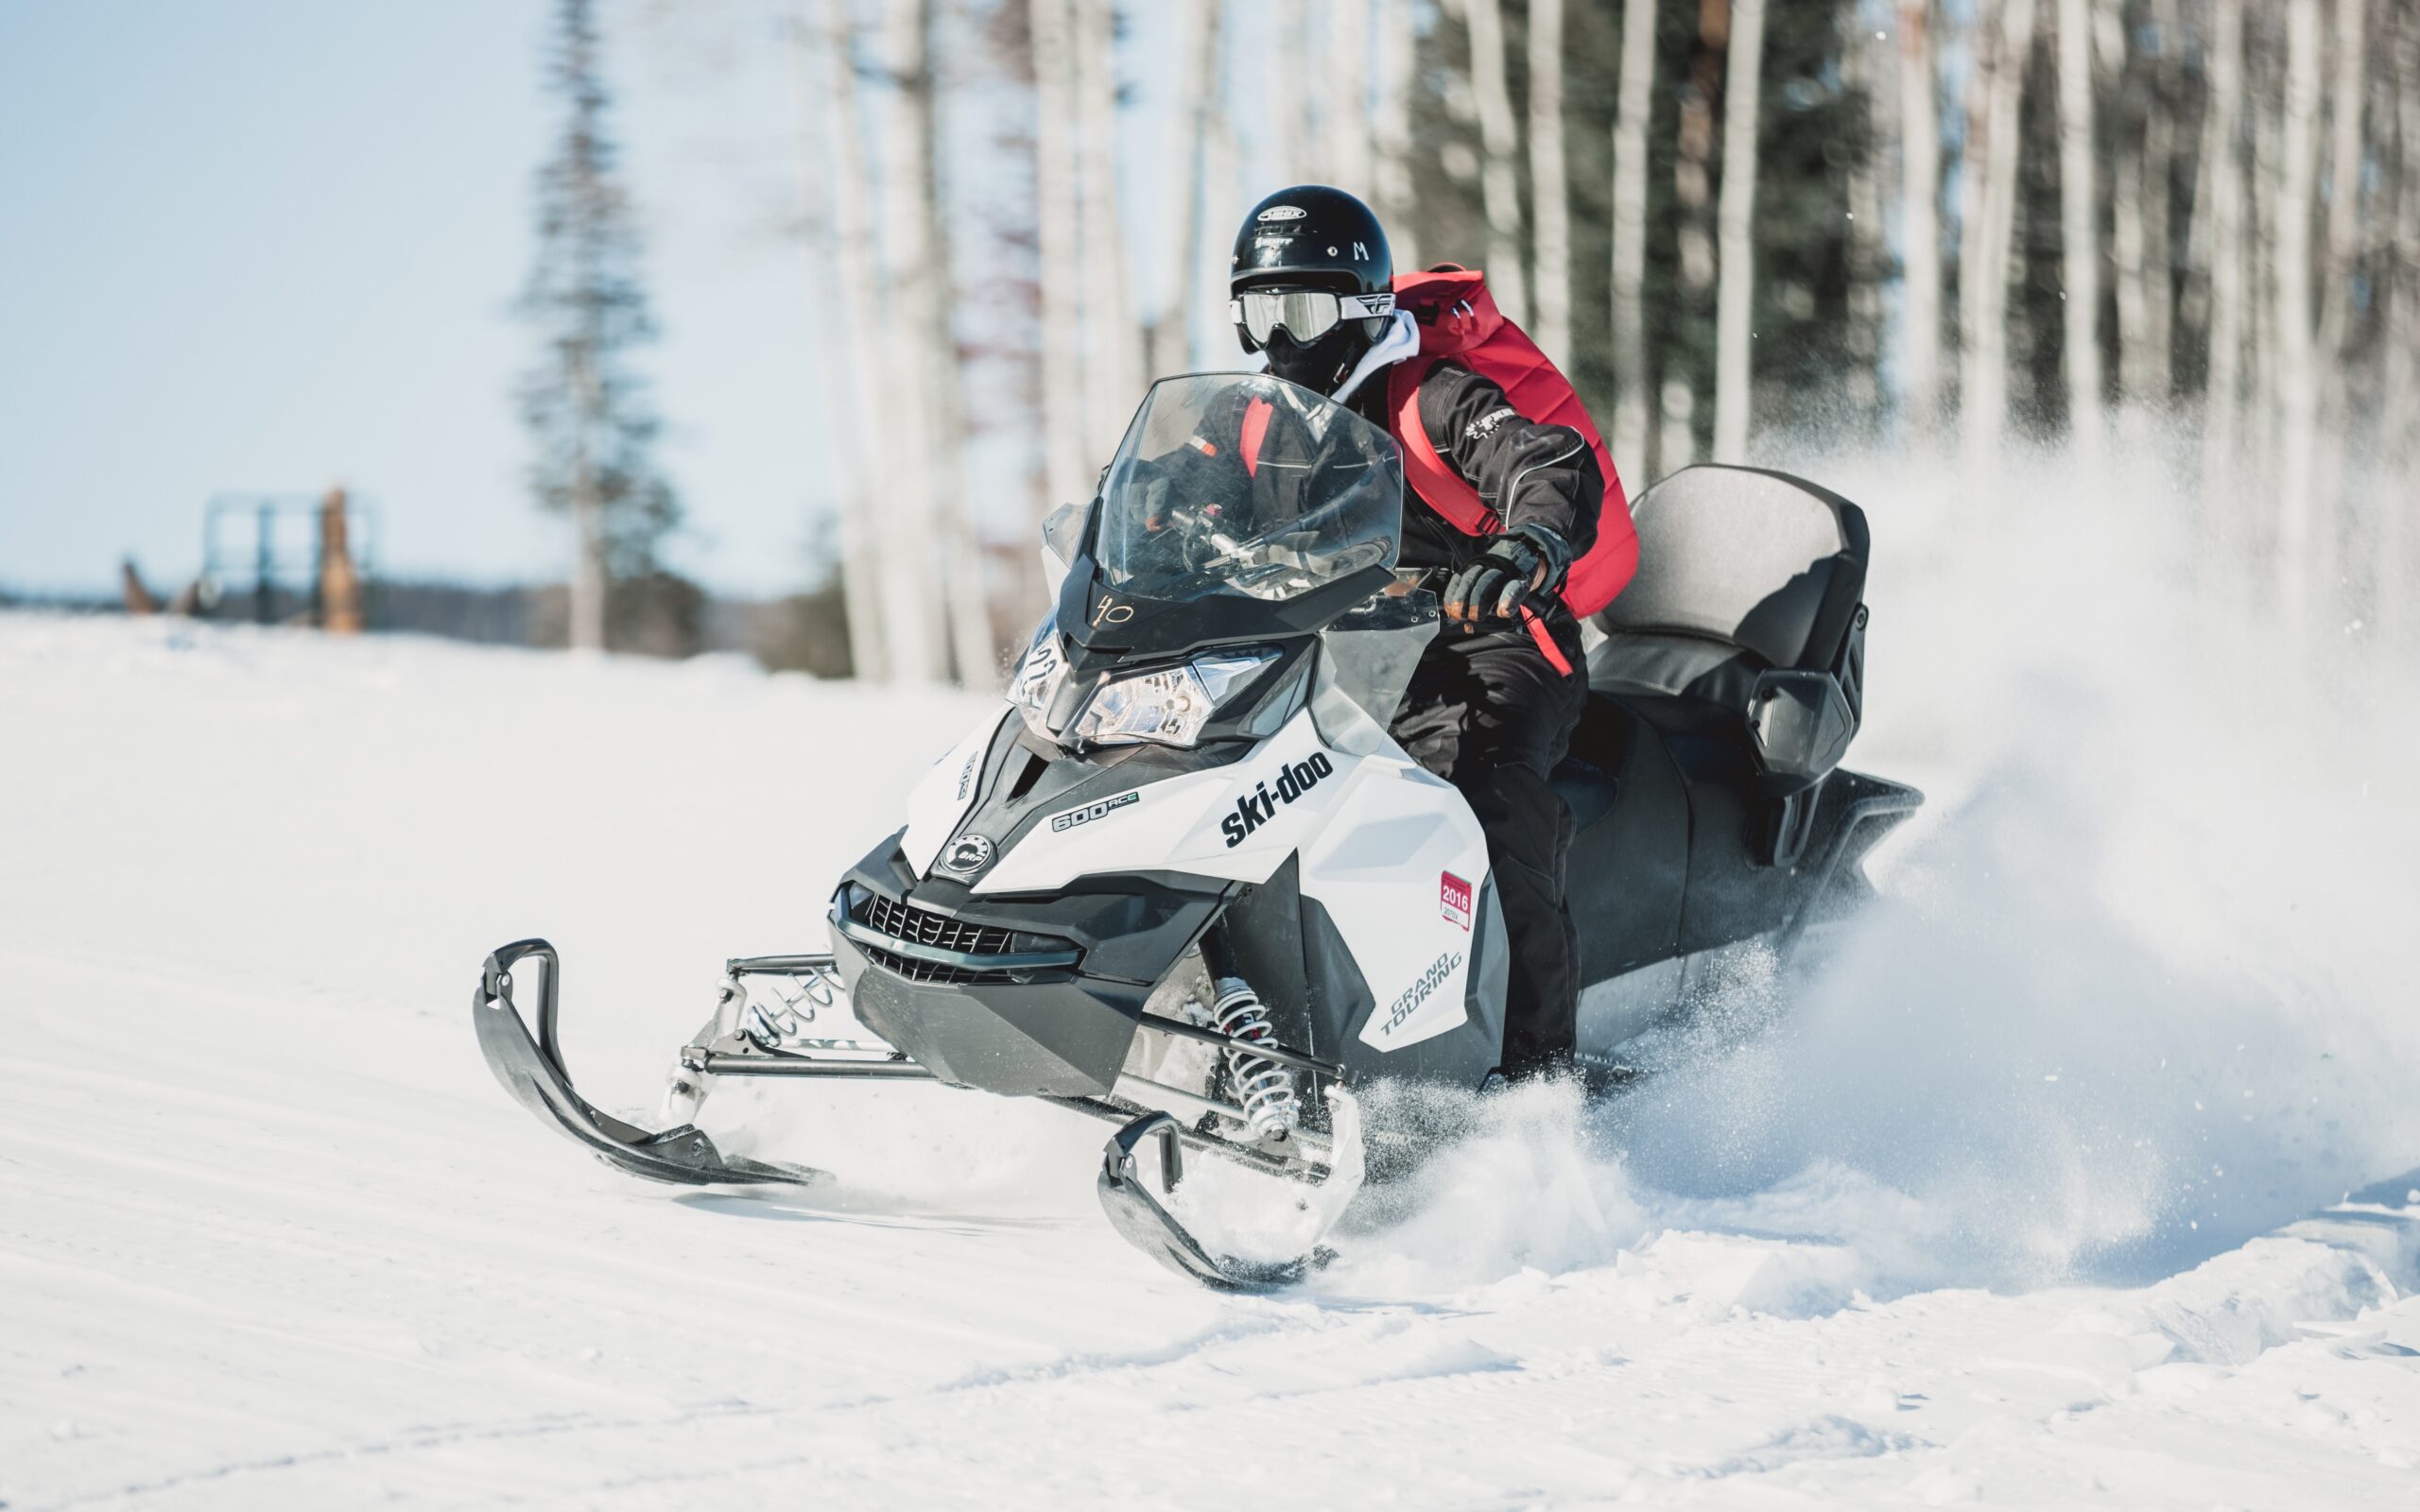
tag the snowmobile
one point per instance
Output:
(1183, 881)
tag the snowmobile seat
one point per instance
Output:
(1741, 639)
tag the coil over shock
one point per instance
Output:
(1263, 1087)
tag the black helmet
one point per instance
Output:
(1312, 239)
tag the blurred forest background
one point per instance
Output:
(2181, 230)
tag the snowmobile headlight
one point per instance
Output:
(1169, 707)
(1034, 687)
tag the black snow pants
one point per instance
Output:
(1487, 712)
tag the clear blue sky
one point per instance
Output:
(270, 245)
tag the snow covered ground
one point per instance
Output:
(2084, 1176)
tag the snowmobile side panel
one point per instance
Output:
(532, 1069)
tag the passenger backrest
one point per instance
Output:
(1746, 617)
(1762, 560)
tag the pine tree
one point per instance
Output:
(586, 408)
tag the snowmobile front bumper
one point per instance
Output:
(531, 1069)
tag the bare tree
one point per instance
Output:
(2346, 97)
(1920, 217)
(2222, 163)
(1197, 92)
(1735, 308)
(1549, 182)
(1693, 207)
(2079, 225)
(2003, 45)
(1677, 446)
(1059, 234)
(1632, 408)
(2297, 375)
(823, 43)
(2398, 513)
(586, 410)
(1499, 141)
(1398, 197)
(1345, 92)
(1863, 71)
(1293, 146)
(1114, 360)
(923, 466)
(2140, 213)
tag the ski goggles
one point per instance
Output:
(1305, 315)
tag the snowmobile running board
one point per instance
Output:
(530, 1067)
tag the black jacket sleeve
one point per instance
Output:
(1528, 473)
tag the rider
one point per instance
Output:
(1493, 703)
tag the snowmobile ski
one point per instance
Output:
(1141, 1221)
(531, 1069)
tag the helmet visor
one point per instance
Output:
(1305, 315)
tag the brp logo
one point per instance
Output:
(971, 854)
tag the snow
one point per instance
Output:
(2081, 1176)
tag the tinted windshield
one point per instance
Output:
(1237, 483)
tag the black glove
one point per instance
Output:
(1522, 564)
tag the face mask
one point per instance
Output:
(1319, 365)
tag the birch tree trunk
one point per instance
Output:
(2397, 510)
(832, 160)
(1059, 240)
(1197, 64)
(2222, 154)
(2140, 184)
(1499, 177)
(1292, 147)
(1865, 70)
(1735, 300)
(1676, 447)
(967, 594)
(1549, 182)
(1344, 93)
(914, 472)
(2347, 94)
(1398, 196)
(2079, 229)
(1113, 362)
(1693, 213)
(1632, 380)
(2297, 375)
(1991, 161)
(2265, 100)
(588, 580)
(1920, 218)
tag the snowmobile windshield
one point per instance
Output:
(1240, 484)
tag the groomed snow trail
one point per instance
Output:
(2073, 1181)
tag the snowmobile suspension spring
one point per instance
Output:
(1264, 1088)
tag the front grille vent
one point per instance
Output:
(907, 925)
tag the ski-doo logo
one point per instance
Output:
(1093, 811)
(969, 854)
(1454, 899)
(1422, 990)
(1261, 805)
(966, 776)
(1282, 213)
